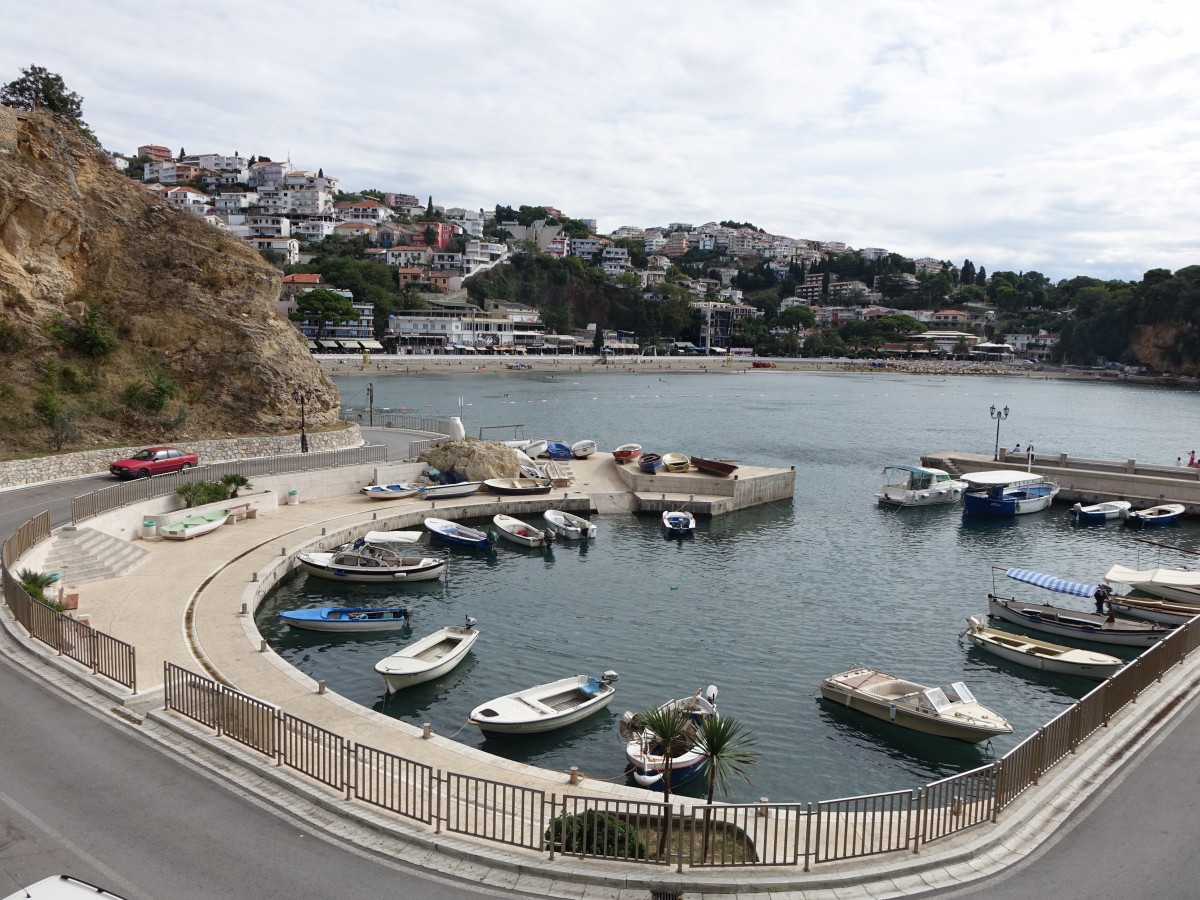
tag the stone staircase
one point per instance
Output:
(83, 555)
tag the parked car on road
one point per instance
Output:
(154, 461)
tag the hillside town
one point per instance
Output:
(283, 212)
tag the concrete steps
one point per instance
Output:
(83, 555)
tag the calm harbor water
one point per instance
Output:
(766, 602)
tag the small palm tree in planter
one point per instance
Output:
(234, 482)
(35, 583)
(729, 748)
(674, 733)
(197, 493)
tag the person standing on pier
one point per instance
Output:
(1029, 456)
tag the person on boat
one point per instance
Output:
(1103, 595)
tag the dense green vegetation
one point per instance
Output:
(39, 88)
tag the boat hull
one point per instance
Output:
(446, 491)
(903, 717)
(583, 449)
(458, 535)
(1081, 626)
(317, 564)
(1099, 512)
(348, 620)
(678, 523)
(1162, 611)
(1081, 663)
(543, 708)
(428, 659)
(1155, 516)
(194, 527)
(1016, 503)
(713, 466)
(1180, 585)
(566, 525)
(517, 486)
(676, 462)
(391, 491)
(517, 532)
(650, 462)
(626, 453)
(905, 498)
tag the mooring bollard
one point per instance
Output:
(426, 731)
(320, 687)
(575, 776)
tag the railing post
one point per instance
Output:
(435, 784)
(914, 810)
(808, 837)
(1040, 752)
(997, 784)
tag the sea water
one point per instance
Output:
(766, 602)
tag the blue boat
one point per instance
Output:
(1006, 492)
(558, 450)
(347, 619)
(650, 462)
(1164, 514)
(678, 523)
(649, 760)
(458, 535)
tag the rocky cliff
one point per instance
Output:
(125, 321)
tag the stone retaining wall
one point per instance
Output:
(14, 473)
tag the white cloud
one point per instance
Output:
(1022, 135)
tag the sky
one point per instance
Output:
(1056, 136)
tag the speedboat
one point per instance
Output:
(650, 462)
(950, 711)
(583, 449)
(918, 486)
(646, 753)
(195, 525)
(676, 462)
(678, 522)
(626, 453)
(519, 485)
(391, 491)
(376, 557)
(568, 525)
(1006, 492)
(431, 657)
(521, 533)
(1163, 514)
(458, 535)
(1180, 585)
(1028, 651)
(1100, 512)
(714, 466)
(545, 707)
(347, 619)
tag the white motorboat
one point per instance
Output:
(1028, 651)
(1163, 514)
(1006, 492)
(646, 753)
(583, 449)
(568, 525)
(919, 486)
(1180, 585)
(950, 711)
(545, 707)
(519, 485)
(446, 491)
(378, 556)
(678, 522)
(428, 658)
(391, 491)
(521, 533)
(1100, 512)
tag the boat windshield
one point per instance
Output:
(962, 692)
(921, 481)
(935, 699)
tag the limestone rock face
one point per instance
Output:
(476, 460)
(191, 307)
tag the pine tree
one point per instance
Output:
(429, 208)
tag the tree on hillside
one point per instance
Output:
(39, 88)
(323, 308)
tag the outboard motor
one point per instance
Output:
(710, 694)
(470, 623)
(609, 677)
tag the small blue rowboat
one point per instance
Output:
(678, 523)
(558, 450)
(458, 535)
(1164, 514)
(347, 619)
(650, 462)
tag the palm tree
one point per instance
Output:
(235, 481)
(35, 583)
(729, 748)
(671, 731)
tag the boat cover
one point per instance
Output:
(1001, 477)
(1050, 583)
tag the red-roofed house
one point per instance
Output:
(367, 209)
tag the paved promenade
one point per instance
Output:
(184, 604)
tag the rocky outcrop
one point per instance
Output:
(190, 307)
(475, 460)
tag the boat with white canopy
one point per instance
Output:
(1006, 492)
(1180, 585)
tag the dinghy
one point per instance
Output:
(378, 556)
(431, 657)
(646, 753)
(583, 449)
(1028, 651)
(391, 491)
(569, 526)
(521, 533)
(545, 707)
(458, 535)
(347, 619)
(679, 522)
(1099, 512)
(1163, 514)
(676, 462)
(627, 452)
(195, 525)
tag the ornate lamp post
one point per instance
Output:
(999, 415)
(302, 396)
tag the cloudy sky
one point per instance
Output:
(1061, 137)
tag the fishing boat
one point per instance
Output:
(195, 525)
(558, 450)
(568, 525)
(626, 453)
(1163, 514)
(714, 466)
(1166, 612)
(458, 535)
(391, 491)
(650, 462)
(950, 711)
(447, 491)
(1069, 623)
(676, 462)
(1036, 654)
(347, 619)
(583, 449)
(428, 658)
(376, 557)
(678, 522)
(1099, 512)
(918, 486)
(1006, 492)
(1180, 585)
(521, 533)
(645, 752)
(545, 707)
(519, 485)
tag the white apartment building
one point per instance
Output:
(188, 198)
(269, 226)
(312, 230)
(586, 248)
(235, 201)
(481, 256)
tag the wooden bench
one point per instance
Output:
(240, 511)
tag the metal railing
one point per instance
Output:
(137, 490)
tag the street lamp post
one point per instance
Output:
(999, 415)
(302, 396)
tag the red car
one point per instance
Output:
(154, 461)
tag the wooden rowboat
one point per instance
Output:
(429, 658)
(676, 462)
(545, 707)
(714, 466)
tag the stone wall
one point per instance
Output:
(15, 473)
